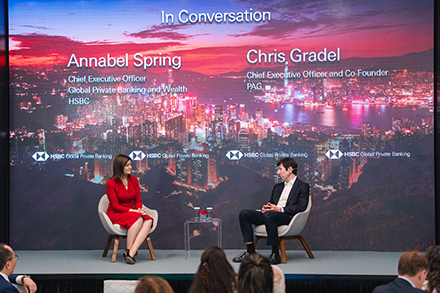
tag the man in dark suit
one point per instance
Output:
(288, 198)
(8, 261)
(413, 268)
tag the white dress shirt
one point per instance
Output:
(17, 280)
(285, 194)
(408, 280)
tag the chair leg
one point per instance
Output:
(107, 245)
(306, 247)
(150, 247)
(115, 248)
(283, 251)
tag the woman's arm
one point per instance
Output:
(112, 194)
(137, 199)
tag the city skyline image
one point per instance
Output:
(206, 98)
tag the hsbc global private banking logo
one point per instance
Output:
(333, 154)
(137, 155)
(234, 155)
(40, 156)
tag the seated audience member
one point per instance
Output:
(8, 261)
(153, 284)
(412, 269)
(255, 275)
(215, 273)
(432, 283)
(279, 283)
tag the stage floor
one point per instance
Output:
(91, 262)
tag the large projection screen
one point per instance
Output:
(206, 97)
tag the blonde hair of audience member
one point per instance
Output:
(279, 283)
(255, 275)
(215, 273)
(414, 266)
(433, 277)
(153, 284)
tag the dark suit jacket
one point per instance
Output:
(397, 286)
(6, 287)
(297, 200)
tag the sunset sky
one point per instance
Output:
(45, 33)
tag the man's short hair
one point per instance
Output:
(5, 255)
(411, 263)
(289, 162)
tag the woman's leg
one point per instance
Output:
(133, 231)
(141, 235)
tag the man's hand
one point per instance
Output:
(270, 207)
(29, 285)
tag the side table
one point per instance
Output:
(216, 222)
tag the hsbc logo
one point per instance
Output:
(234, 155)
(333, 154)
(137, 155)
(40, 156)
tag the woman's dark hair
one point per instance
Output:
(215, 273)
(153, 284)
(255, 275)
(118, 166)
(433, 277)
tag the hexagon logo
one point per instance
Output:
(137, 155)
(40, 156)
(234, 155)
(333, 154)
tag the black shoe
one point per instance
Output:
(128, 259)
(127, 251)
(241, 257)
(274, 259)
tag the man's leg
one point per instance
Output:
(272, 220)
(247, 218)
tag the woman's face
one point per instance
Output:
(127, 168)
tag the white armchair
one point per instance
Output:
(290, 231)
(117, 233)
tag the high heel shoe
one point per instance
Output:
(129, 260)
(127, 251)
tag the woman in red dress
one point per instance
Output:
(125, 207)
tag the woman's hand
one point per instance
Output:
(140, 211)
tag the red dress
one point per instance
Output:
(122, 200)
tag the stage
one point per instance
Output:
(87, 269)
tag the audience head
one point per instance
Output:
(118, 166)
(433, 256)
(289, 162)
(279, 283)
(7, 259)
(414, 266)
(215, 273)
(255, 275)
(153, 284)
